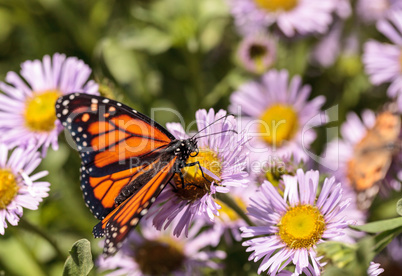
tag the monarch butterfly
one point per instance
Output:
(127, 159)
(372, 157)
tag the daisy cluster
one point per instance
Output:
(297, 149)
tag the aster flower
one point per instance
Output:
(160, 253)
(294, 223)
(374, 269)
(18, 187)
(253, 16)
(373, 10)
(275, 115)
(219, 154)
(382, 61)
(257, 53)
(27, 112)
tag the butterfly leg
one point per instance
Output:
(199, 166)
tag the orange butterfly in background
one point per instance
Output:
(127, 159)
(372, 157)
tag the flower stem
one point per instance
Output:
(34, 229)
(233, 205)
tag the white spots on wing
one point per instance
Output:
(66, 102)
(135, 111)
(144, 212)
(65, 111)
(118, 104)
(71, 97)
(80, 129)
(134, 221)
(105, 100)
(84, 144)
(94, 101)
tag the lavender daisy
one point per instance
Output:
(371, 11)
(383, 61)
(295, 222)
(18, 187)
(275, 115)
(257, 53)
(374, 269)
(27, 113)
(221, 155)
(253, 16)
(160, 253)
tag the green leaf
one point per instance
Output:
(383, 239)
(80, 260)
(379, 226)
(399, 207)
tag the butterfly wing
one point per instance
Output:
(116, 144)
(117, 224)
(373, 154)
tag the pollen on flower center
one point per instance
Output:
(278, 123)
(8, 188)
(302, 226)
(277, 5)
(159, 258)
(40, 113)
(195, 184)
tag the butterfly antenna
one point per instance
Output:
(228, 130)
(223, 117)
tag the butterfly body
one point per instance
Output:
(127, 159)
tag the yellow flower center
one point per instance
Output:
(277, 5)
(231, 215)
(279, 123)
(40, 113)
(195, 184)
(8, 188)
(159, 257)
(302, 226)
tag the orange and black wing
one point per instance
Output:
(117, 224)
(116, 143)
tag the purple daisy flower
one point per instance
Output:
(27, 113)
(160, 253)
(383, 60)
(18, 188)
(373, 10)
(295, 222)
(374, 269)
(221, 155)
(252, 16)
(276, 115)
(257, 53)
